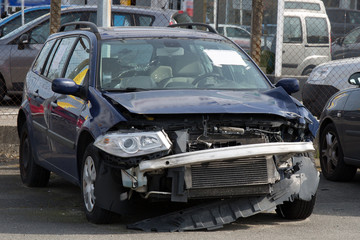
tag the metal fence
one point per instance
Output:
(305, 39)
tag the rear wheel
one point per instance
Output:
(32, 175)
(2, 89)
(90, 171)
(332, 162)
(296, 210)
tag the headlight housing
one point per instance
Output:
(320, 73)
(133, 144)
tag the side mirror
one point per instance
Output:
(354, 79)
(23, 39)
(290, 85)
(339, 40)
(67, 86)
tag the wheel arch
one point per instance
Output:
(21, 120)
(84, 140)
(323, 125)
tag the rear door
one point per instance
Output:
(293, 45)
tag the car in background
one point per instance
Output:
(339, 133)
(167, 115)
(327, 79)
(342, 21)
(348, 46)
(237, 34)
(306, 39)
(13, 21)
(20, 47)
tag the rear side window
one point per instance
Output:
(144, 20)
(43, 56)
(317, 30)
(182, 18)
(120, 19)
(292, 30)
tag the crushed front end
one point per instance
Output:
(218, 156)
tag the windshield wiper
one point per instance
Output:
(129, 89)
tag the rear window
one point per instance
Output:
(317, 30)
(182, 18)
(353, 17)
(337, 16)
(302, 5)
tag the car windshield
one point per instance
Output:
(173, 63)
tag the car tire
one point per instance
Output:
(296, 210)
(89, 171)
(2, 89)
(307, 72)
(332, 162)
(32, 175)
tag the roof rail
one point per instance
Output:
(190, 26)
(78, 25)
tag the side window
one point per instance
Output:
(143, 20)
(292, 30)
(221, 30)
(317, 30)
(352, 37)
(120, 19)
(79, 62)
(237, 33)
(29, 16)
(39, 34)
(43, 56)
(59, 59)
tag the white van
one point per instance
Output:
(306, 41)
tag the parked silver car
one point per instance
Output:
(327, 79)
(20, 47)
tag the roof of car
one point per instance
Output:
(148, 32)
(127, 8)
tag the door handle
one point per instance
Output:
(36, 93)
(54, 104)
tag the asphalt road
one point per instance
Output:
(55, 212)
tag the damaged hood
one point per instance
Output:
(274, 101)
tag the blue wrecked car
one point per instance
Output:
(165, 114)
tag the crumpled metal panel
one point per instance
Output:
(301, 185)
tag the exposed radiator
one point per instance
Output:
(235, 173)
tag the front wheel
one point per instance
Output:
(90, 171)
(296, 210)
(332, 162)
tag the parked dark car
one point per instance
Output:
(348, 46)
(340, 133)
(342, 21)
(19, 48)
(167, 114)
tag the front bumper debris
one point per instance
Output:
(301, 185)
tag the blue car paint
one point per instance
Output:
(275, 101)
